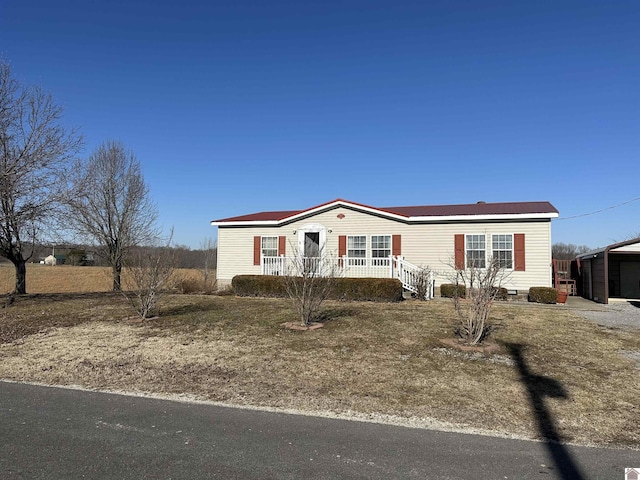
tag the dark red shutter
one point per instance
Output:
(257, 246)
(282, 245)
(342, 248)
(459, 251)
(396, 245)
(518, 252)
(342, 245)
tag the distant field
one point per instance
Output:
(68, 279)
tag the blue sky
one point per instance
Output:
(235, 107)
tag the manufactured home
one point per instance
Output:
(367, 241)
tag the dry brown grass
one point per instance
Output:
(369, 358)
(69, 279)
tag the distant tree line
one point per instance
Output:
(568, 251)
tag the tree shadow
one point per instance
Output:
(330, 314)
(538, 387)
(198, 307)
(48, 298)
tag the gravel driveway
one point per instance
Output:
(617, 314)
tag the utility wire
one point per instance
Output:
(599, 211)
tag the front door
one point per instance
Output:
(311, 252)
(311, 244)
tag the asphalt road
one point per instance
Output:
(60, 433)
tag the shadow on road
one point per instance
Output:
(538, 387)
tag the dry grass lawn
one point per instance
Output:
(369, 359)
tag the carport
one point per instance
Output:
(611, 272)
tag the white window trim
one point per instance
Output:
(513, 252)
(357, 261)
(466, 249)
(384, 263)
(488, 248)
(262, 248)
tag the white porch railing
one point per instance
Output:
(409, 274)
(389, 267)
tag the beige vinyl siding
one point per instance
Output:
(429, 244)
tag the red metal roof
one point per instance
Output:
(480, 208)
(261, 216)
(510, 208)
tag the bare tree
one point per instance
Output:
(34, 149)
(151, 271)
(309, 283)
(483, 286)
(109, 204)
(209, 256)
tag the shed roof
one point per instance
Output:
(475, 211)
(608, 248)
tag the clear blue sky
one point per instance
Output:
(235, 107)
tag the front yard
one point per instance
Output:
(369, 360)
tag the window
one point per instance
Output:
(269, 246)
(502, 250)
(380, 250)
(357, 250)
(476, 253)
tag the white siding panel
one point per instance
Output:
(422, 244)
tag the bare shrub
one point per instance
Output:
(204, 285)
(209, 249)
(151, 270)
(482, 287)
(422, 283)
(309, 283)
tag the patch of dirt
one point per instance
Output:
(304, 328)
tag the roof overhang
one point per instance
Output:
(382, 212)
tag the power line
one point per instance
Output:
(599, 211)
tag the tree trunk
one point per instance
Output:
(117, 274)
(21, 276)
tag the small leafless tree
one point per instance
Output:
(109, 204)
(151, 271)
(482, 286)
(34, 150)
(209, 257)
(309, 283)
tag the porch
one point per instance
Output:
(393, 266)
